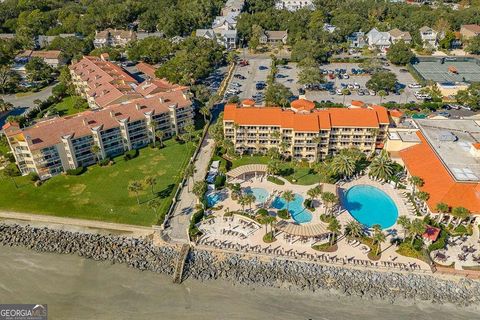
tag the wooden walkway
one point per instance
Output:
(177, 276)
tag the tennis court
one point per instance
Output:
(449, 69)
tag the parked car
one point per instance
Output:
(414, 85)
(262, 68)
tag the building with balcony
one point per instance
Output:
(303, 132)
(55, 145)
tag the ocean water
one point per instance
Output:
(77, 288)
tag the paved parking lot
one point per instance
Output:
(252, 75)
(289, 76)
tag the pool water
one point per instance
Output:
(261, 195)
(295, 208)
(213, 198)
(370, 206)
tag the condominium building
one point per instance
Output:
(52, 146)
(304, 132)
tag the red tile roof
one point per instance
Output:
(303, 104)
(314, 121)
(107, 82)
(431, 233)
(49, 132)
(423, 162)
(154, 84)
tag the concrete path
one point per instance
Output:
(73, 224)
(26, 99)
(185, 207)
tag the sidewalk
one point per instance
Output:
(72, 224)
(185, 207)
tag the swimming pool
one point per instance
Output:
(261, 195)
(295, 208)
(213, 198)
(370, 206)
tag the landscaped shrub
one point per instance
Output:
(461, 229)
(104, 162)
(440, 243)
(34, 177)
(283, 214)
(76, 172)
(196, 218)
(275, 180)
(309, 204)
(262, 212)
(131, 154)
(220, 181)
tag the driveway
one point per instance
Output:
(25, 100)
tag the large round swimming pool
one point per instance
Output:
(261, 195)
(370, 206)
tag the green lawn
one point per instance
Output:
(66, 107)
(301, 174)
(102, 193)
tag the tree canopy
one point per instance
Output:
(399, 53)
(382, 80)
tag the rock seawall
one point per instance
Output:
(136, 253)
(237, 268)
(392, 286)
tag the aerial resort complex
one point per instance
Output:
(308, 145)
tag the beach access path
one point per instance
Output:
(78, 224)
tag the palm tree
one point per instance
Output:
(334, 227)
(95, 149)
(235, 190)
(382, 94)
(136, 187)
(382, 167)
(378, 238)
(314, 192)
(404, 221)
(288, 196)
(417, 227)
(442, 208)
(353, 229)
(243, 201)
(273, 167)
(199, 189)
(153, 127)
(159, 134)
(189, 173)
(151, 181)
(344, 165)
(423, 196)
(461, 214)
(250, 199)
(205, 111)
(416, 182)
(11, 171)
(154, 204)
(273, 153)
(329, 199)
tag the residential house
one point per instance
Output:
(357, 40)
(113, 38)
(397, 35)
(294, 5)
(53, 58)
(274, 37)
(429, 37)
(378, 40)
(304, 132)
(329, 28)
(468, 31)
(42, 41)
(233, 6)
(53, 146)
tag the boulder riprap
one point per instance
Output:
(242, 269)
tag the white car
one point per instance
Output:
(345, 76)
(372, 93)
(414, 85)
(339, 92)
(356, 85)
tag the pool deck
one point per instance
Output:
(238, 231)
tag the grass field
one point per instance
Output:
(101, 193)
(66, 107)
(297, 174)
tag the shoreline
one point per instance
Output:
(249, 270)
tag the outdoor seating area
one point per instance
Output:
(460, 251)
